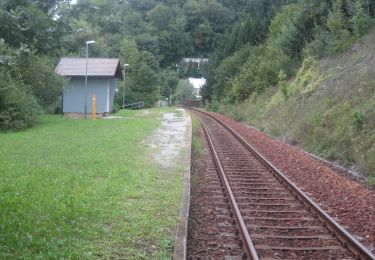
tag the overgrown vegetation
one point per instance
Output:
(28, 35)
(305, 78)
(152, 36)
(197, 147)
(184, 90)
(327, 108)
(74, 189)
(277, 36)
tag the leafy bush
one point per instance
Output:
(115, 108)
(283, 85)
(284, 34)
(321, 45)
(359, 120)
(184, 91)
(213, 105)
(228, 68)
(308, 78)
(361, 20)
(38, 73)
(18, 109)
(260, 72)
(28, 83)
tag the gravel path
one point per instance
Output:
(169, 142)
(351, 202)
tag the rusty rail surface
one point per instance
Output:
(351, 243)
(248, 243)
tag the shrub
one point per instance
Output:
(337, 26)
(260, 72)
(308, 78)
(361, 20)
(18, 109)
(321, 45)
(115, 108)
(214, 105)
(38, 73)
(358, 120)
(283, 84)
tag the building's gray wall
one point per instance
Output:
(74, 94)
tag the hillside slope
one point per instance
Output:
(328, 109)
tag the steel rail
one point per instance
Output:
(244, 233)
(356, 247)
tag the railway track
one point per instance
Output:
(261, 213)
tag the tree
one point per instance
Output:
(193, 10)
(336, 26)
(30, 30)
(37, 73)
(260, 72)
(168, 81)
(129, 52)
(160, 16)
(225, 73)
(184, 90)
(141, 75)
(18, 109)
(33, 24)
(203, 36)
(361, 20)
(283, 84)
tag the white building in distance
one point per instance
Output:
(197, 83)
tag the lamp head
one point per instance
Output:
(89, 42)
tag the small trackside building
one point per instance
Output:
(102, 75)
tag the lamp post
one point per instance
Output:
(123, 90)
(87, 54)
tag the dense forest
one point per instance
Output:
(270, 42)
(152, 36)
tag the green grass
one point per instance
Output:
(85, 189)
(196, 147)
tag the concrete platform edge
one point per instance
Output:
(180, 249)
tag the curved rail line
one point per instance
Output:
(248, 243)
(347, 241)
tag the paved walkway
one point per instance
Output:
(171, 146)
(170, 142)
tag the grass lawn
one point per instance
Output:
(86, 189)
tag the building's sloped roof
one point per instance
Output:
(95, 67)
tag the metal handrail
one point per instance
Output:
(133, 105)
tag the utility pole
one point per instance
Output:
(87, 54)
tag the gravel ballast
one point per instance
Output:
(350, 202)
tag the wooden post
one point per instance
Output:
(93, 107)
